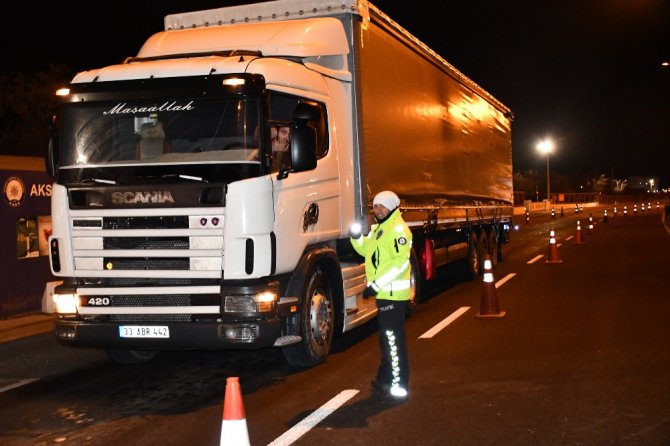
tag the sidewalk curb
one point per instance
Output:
(21, 327)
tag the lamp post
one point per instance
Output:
(546, 146)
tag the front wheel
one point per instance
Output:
(316, 322)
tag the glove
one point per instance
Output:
(369, 292)
(355, 230)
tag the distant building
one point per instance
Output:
(25, 226)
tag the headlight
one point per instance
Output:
(65, 303)
(265, 300)
(252, 303)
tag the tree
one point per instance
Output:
(27, 102)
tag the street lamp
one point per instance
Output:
(546, 146)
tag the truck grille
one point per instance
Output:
(174, 300)
(146, 263)
(145, 243)
(116, 245)
(150, 318)
(162, 222)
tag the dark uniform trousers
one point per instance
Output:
(394, 367)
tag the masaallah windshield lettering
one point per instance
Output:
(122, 108)
(142, 197)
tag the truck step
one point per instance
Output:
(287, 340)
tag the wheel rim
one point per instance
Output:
(475, 258)
(320, 316)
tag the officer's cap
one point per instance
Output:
(387, 199)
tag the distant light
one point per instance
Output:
(665, 64)
(234, 81)
(545, 146)
(62, 92)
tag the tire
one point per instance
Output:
(121, 356)
(317, 318)
(494, 247)
(473, 260)
(483, 250)
(414, 283)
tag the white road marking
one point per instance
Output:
(535, 259)
(569, 238)
(502, 281)
(300, 429)
(446, 321)
(23, 382)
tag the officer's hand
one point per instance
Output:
(355, 230)
(369, 292)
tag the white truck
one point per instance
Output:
(204, 188)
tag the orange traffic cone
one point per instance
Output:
(579, 237)
(489, 304)
(625, 211)
(234, 425)
(605, 217)
(553, 249)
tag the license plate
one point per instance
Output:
(144, 331)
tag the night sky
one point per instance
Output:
(585, 72)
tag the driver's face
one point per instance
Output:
(280, 138)
(380, 211)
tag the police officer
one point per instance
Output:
(387, 268)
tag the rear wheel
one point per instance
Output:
(473, 259)
(316, 322)
(494, 247)
(414, 283)
(121, 356)
(483, 250)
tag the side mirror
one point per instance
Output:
(303, 139)
(52, 152)
(303, 148)
(51, 163)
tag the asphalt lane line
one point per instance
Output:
(502, 281)
(300, 429)
(569, 238)
(535, 259)
(446, 321)
(23, 382)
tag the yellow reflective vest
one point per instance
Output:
(387, 251)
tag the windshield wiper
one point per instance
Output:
(99, 180)
(185, 177)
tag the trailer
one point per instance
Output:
(204, 188)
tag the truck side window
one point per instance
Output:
(281, 113)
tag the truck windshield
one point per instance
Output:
(185, 130)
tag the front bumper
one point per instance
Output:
(183, 336)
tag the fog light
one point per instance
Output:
(65, 303)
(239, 333)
